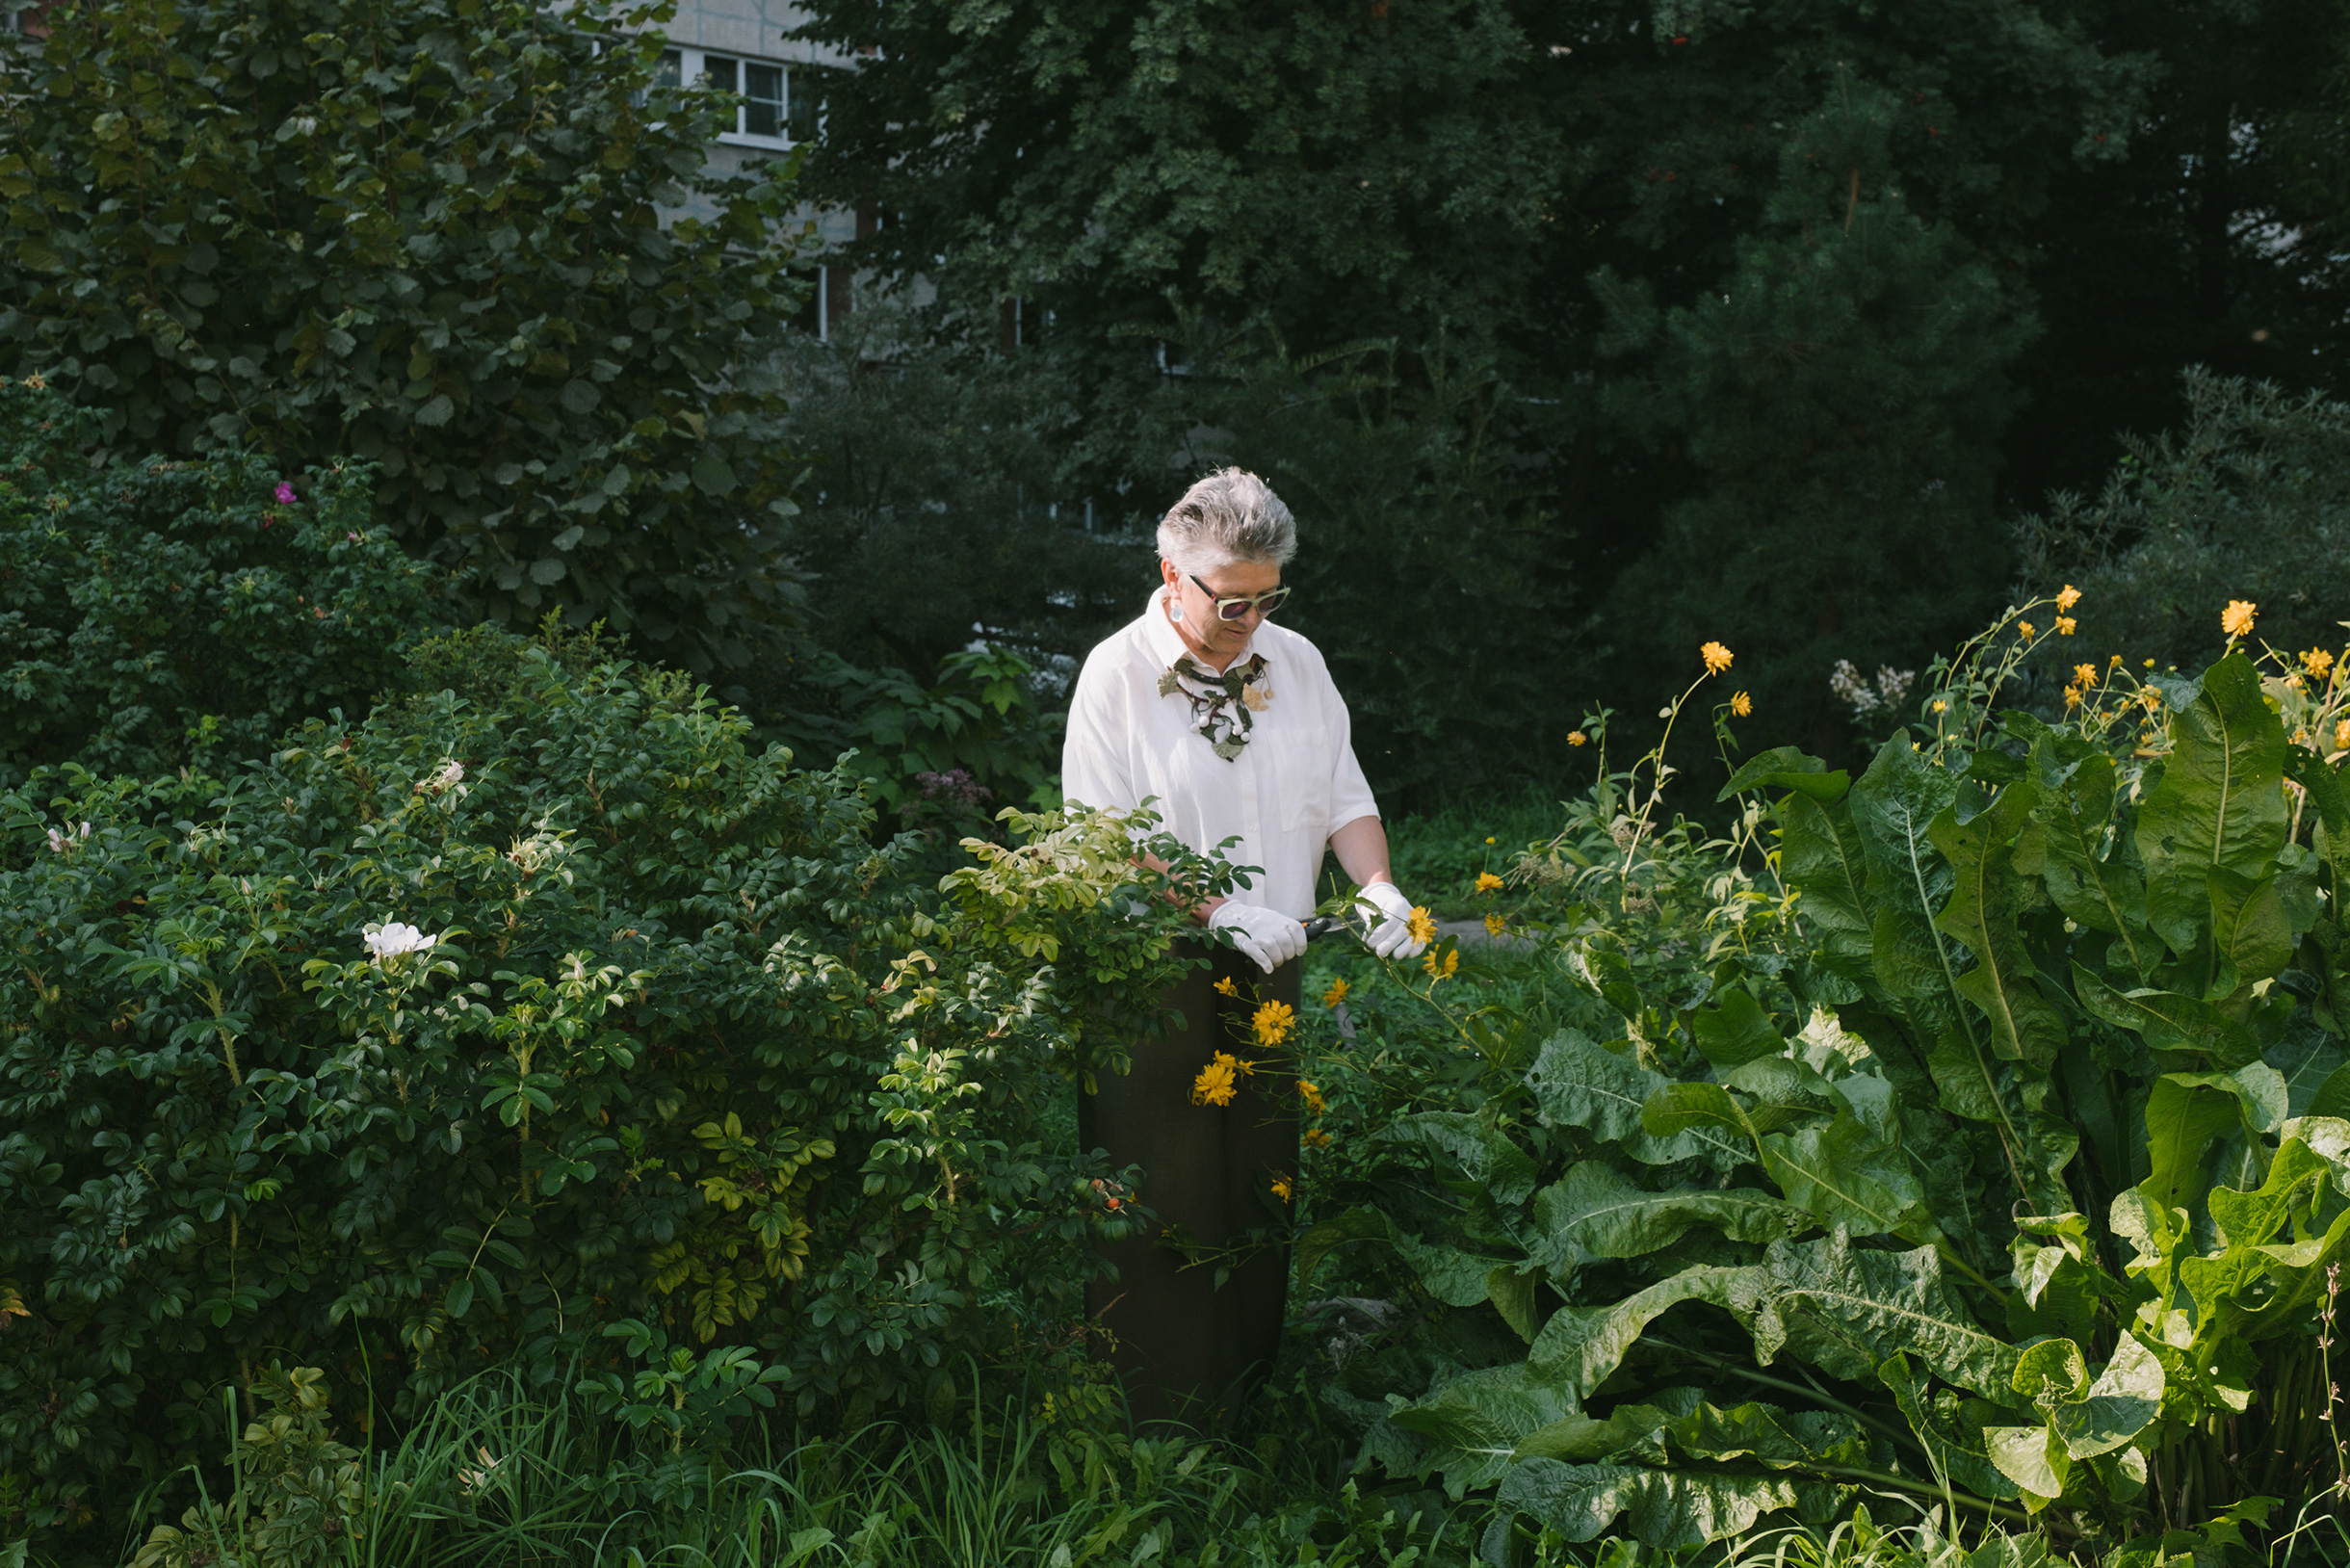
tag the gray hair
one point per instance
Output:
(1230, 516)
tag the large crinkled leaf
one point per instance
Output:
(1894, 806)
(1659, 1507)
(1766, 1435)
(2269, 1272)
(2307, 1057)
(2168, 1021)
(1457, 1278)
(1736, 1030)
(1598, 1212)
(1986, 894)
(2218, 803)
(1849, 1175)
(2030, 1456)
(1965, 1462)
(1581, 1346)
(2087, 875)
(2123, 1402)
(1484, 1154)
(2186, 1113)
(2249, 929)
(1679, 1108)
(1847, 1310)
(1474, 1423)
(1786, 768)
(1583, 1084)
(1821, 858)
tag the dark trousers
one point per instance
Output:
(1185, 1349)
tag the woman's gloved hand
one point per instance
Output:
(1268, 937)
(1390, 935)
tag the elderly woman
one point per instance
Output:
(1231, 722)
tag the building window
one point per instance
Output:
(781, 105)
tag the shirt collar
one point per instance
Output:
(1166, 644)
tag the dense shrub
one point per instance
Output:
(152, 609)
(549, 1028)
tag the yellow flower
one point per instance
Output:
(1941, 706)
(1273, 1023)
(2317, 662)
(1422, 925)
(1444, 970)
(2085, 675)
(1312, 1096)
(1575, 736)
(2027, 627)
(2115, 661)
(2066, 625)
(1489, 838)
(1317, 1138)
(2150, 664)
(1225, 987)
(1495, 924)
(1281, 1188)
(2070, 597)
(2341, 735)
(1715, 656)
(1741, 705)
(1218, 1082)
(2150, 700)
(1336, 994)
(2236, 619)
(2072, 697)
(1487, 882)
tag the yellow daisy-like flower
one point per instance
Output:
(1488, 882)
(2236, 619)
(2150, 699)
(2317, 662)
(1281, 1188)
(1312, 1096)
(2070, 597)
(2341, 735)
(1225, 987)
(2150, 664)
(1444, 970)
(2027, 630)
(1575, 736)
(1489, 838)
(1422, 925)
(2065, 626)
(1941, 706)
(1715, 656)
(1336, 993)
(1273, 1023)
(1218, 1082)
(1741, 706)
(2115, 662)
(2084, 676)
(1495, 924)
(2072, 697)
(1317, 1138)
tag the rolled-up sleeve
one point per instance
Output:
(1092, 753)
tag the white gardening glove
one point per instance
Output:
(1268, 937)
(1391, 932)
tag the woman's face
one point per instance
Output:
(1200, 625)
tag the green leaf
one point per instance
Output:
(1821, 857)
(1476, 1421)
(2168, 1021)
(712, 473)
(1965, 1463)
(1581, 1346)
(2218, 804)
(1484, 1154)
(1786, 768)
(1678, 1108)
(1848, 1311)
(2030, 1456)
(1578, 1084)
(1660, 1507)
(2091, 882)
(1454, 1277)
(1985, 896)
(2186, 1113)
(2123, 1402)
(2252, 932)
(1736, 1031)
(1597, 1212)
(1848, 1175)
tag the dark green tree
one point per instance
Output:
(474, 243)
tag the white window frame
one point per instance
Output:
(692, 67)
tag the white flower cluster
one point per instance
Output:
(450, 774)
(59, 843)
(1851, 687)
(390, 941)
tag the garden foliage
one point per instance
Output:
(156, 610)
(1984, 1141)
(476, 245)
(539, 1024)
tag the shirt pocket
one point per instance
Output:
(1300, 771)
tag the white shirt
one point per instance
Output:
(1294, 783)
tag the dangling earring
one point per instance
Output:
(1174, 611)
